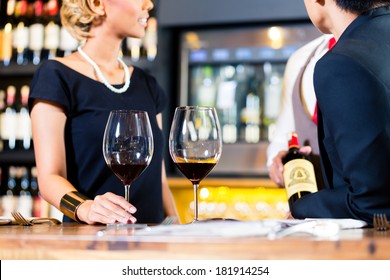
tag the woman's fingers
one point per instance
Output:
(121, 201)
(111, 208)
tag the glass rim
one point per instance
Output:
(193, 107)
(121, 111)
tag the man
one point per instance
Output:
(299, 108)
(352, 85)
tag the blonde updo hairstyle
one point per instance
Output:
(77, 17)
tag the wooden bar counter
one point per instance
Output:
(73, 242)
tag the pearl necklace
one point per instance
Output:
(101, 76)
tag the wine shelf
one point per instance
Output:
(17, 158)
(14, 70)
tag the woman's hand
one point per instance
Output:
(107, 209)
(276, 169)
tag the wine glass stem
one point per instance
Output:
(196, 187)
(127, 193)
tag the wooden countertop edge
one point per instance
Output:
(248, 248)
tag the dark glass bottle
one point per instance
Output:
(299, 176)
(34, 188)
(25, 203)
(10, 198)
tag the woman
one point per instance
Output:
(70, 101)
(352, 85)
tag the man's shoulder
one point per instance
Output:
(308, 49)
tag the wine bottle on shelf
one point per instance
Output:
(21, 33)
(23, 128)
(2, 108)
(37, 31)
(10, 198)
(52, 29)
(8, 121)
(2, 25)
(250, 115)
(11, 7)
(273, 82)
(298, 174)
(207, 89)
(226, 103)
(36, 212)
(6, 37)
(134, 46)
(25, 201)
(150, 39)
(68, 43)
(3, 14)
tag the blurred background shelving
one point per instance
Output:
(220, 53)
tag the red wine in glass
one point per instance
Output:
(126, 172)
(195, 144)
(195, 171)
(128, 145)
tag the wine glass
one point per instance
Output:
(195, 144)
(128, 145)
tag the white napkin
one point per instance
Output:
(238, 228)
(344, 223)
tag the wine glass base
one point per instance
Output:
(121, 225)
(215, 220)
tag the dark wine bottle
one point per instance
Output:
(10, 198)
(298, 174)
(25, 203)
(34, 189)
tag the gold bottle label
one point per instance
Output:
(299, 176)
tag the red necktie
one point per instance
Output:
(331, 43)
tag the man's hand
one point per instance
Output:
(276, 169)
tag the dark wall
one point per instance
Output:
(206, 12)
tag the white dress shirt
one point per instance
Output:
(307, 56)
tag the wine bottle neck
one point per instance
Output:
(293, 143)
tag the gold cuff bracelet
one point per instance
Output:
(70, 202)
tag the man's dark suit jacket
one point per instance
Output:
(352, 84)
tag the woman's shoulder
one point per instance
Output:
(68, 67)
(47, 71)
(57, 63)
(71, 62)
(145, 79)
(144, 76)
(141, 73)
